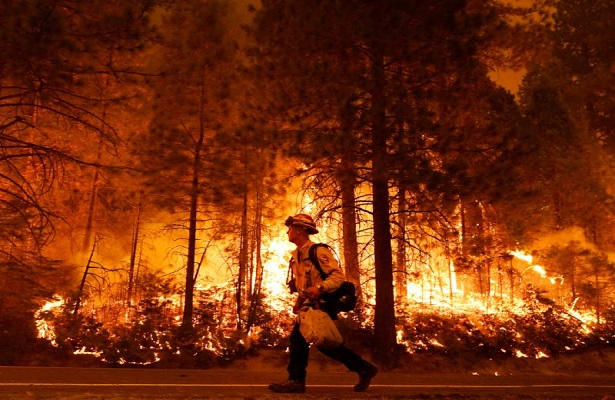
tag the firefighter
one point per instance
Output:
(309, 285)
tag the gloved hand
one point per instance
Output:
(299, 304)
(312, 293)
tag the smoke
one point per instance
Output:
(573, 234)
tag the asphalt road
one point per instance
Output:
(18, 383)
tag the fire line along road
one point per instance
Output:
(127, 383)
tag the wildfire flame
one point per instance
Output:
(539, 269)
(44, 328)
(439, 291)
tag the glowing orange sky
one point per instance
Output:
(508, 79)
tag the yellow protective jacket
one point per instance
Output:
(307, 275)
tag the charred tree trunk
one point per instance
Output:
(573, 280)
(349, 229)
(191, 256)
(94, 193)
(186, 324)
(401, 285)
(384, 318)
(598, 290)
(402, 116)
(133, 255)
(473, 242)
(451, 278)
(258, 271)
(347, 179)
(87, 237)
(511, 277)
(79, 295)
(243, 261)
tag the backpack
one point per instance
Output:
(343, 299)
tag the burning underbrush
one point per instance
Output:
(152, 335)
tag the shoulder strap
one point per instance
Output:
(314, 258)
(290, 274)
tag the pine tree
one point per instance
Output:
(54, 56)
(369, 56)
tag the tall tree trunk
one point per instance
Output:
(473, 242)
(258, 272)
(511, 278)
(191, 256)
(384, 318)
(349, 229)
(573, 280)
(243, 261)
(403, 116)
(193, 222)
(347, 179)
(87, 237)
(451, 279)
(598, 291)
(133, 255)
(79, 295)
(401, 281)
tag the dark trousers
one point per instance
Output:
(300, 351)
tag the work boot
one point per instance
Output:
(365, 377)
(289, 386)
